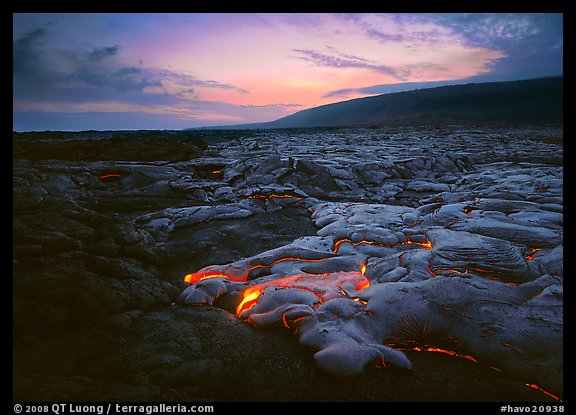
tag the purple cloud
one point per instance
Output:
(188, 80)
(346, 61)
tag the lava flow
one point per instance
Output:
(427, 348)
(426, 245)
(110, 176)
(538, 388)
(197, 276)
(468, 210)
(532, 253)
(324, 286)
(249, 299)
(444, 351)
(301, 301)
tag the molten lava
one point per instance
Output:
(329, 286)
(194, 278)
(538, 388)
(322, 285)
(198, 276)
(110, 176)
(332, 285)
(249, 299)
(427, 348)
(444, 351)
(468, 210)
(533, 253)
(427, 244)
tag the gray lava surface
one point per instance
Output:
(390, 264)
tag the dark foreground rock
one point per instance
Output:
(101, 245)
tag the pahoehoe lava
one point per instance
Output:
(378, 260)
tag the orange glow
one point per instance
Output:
(257, 266)
(533, 254)
(444, 351)
(108, 176)
(363, 284)
(427, 244)
(318, 284)
(431, 271)
(468, 210)
(194, 278)
(197, 276)
(358, 300)
(249, 299)
(455, 271)
(341, 241)
(363, 269)
(538, 388)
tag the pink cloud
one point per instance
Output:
(245, 67)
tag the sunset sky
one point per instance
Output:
(174, 71)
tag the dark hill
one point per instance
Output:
(527, 101)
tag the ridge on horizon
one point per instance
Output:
(537, 100)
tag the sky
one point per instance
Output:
(133, 71)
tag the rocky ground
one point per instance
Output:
(449, 238)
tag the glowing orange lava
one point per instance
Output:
(444, 351)
(427, 244)
(322, 284)
(533, 253)
(249, 299)
(427, 348)
(468, 210)
(453, 271)
(197, 276)
(108, 176)
(318, 284)
(538, 388)
(194, 278)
